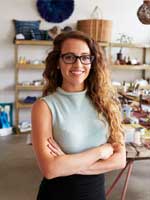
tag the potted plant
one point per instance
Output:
(122, 39)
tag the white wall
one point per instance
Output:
(122, 12)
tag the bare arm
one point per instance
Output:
(108, 162)
(63, 165)
(114, 162)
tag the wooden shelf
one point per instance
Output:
(29, 87)
(130, 45)
(30, 66)
(146, 87)
(103, 44)
(113, 44)
(46, 43)
(131, 67)
(20, 105)
(34, 42)
(24, 132)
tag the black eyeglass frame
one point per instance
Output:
(77, 57)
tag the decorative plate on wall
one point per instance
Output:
(143, 12)
(55, 11)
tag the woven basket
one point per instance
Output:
(99, 29)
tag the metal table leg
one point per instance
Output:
(116, 180)
(130, 164)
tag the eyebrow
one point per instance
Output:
(85, 53)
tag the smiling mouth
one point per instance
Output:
(77, 72)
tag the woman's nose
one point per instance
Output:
(78, 63)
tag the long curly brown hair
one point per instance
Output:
(98, 83)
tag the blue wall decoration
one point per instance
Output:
(55, 11)
(6, 115)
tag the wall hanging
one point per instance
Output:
(143, 12)
(55, 11)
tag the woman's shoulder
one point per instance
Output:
(39, 104)
(49, 97)
(44, 103)
(40, 109)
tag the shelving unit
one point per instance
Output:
(143, 67)
(20, 87)
(107, 46)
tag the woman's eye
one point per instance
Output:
(69, 57)
(86, 57)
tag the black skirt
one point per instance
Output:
(74, 187)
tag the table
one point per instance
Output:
(134, 152)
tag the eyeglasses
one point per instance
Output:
(70, 58)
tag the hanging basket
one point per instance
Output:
(98, 28)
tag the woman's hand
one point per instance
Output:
(54, 148)
(116, 147)
(106, 151)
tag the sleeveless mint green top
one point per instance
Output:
(76, 125)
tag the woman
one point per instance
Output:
(76, 125)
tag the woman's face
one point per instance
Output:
(74, 71)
